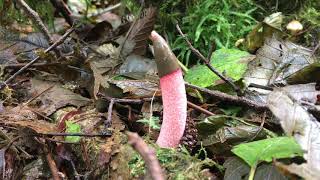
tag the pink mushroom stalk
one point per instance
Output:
(173, 94)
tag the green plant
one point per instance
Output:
(266, 150)
(179, 164)
(9, 13)
(219, 22)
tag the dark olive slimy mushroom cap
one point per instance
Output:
(166, 61)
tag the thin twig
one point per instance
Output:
(148, 155)
(37, 20)
(196, 107)
(103, 11)
(231, 99)
(207, 62)
(36, 96)
(73, 134)
(261, 126)
(260, 86)
(315, 49)
(52, 164)
(19, 65)
(61, 7)
(109, 118)
(57, 43)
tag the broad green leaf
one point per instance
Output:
(72, 128)
(227, 61)
(267, 149)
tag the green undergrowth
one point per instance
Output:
(178, 163)
(212, 23)
(10, 12)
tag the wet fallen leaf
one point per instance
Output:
(56, 97)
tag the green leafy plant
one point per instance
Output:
(265, 150)
(179, 164)
(214, 22)
(72, 128)
(10, 13)
(152, 122)
(224, 60)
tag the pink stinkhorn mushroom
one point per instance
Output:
(173, 94)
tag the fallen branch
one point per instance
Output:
(198, 108)
(147, 154)
(231, 99)
(207, 62)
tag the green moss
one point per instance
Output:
(44, 8)
(179, 164)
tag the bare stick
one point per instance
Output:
(148, 155)
(231, 99)
(51, 163)
(36, 19)
(196, 107)
(109, 118)
(61, 40)
(74, 134)
(315, 49)
(207, 62)
(61, 6)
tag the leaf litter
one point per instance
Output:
(52, 107)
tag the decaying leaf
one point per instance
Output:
(297, 122)
(141, 29)
(235, 169)
(25, 118)
(271, 25)
(101, 67)
(276, 61)
(138, 64)
(139, 88)
(56, 97)
(302, 170)
(308, 74)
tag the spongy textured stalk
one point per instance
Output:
(175, 109)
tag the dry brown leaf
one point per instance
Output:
(139, 88)
(141, 30)
(56, 97)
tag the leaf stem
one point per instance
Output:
(252, 172)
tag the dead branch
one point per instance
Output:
(231, 99)
(198, 108)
